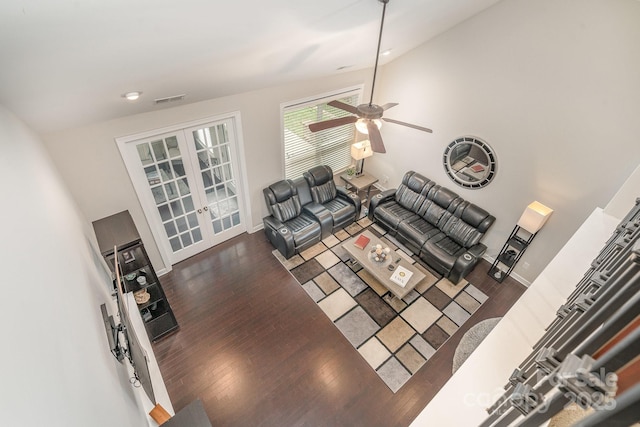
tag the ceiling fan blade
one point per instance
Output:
(375, 138)
(318, 126)
(408, 125)
(343, 106)
(389, 105)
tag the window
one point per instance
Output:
(304, 149)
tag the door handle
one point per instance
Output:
(206, 208)
(199, 210)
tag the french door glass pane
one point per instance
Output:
(164, 169)
(165, 213)
(144, 152)
(172, 146)
(214, 158)
(158, 195)
(158, 150)
(178, 167)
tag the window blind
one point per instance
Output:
(304, 149)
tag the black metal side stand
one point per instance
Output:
(510, 254)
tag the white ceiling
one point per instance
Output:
(66, 63)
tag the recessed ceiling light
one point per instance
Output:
(132, 96)
(386, 52)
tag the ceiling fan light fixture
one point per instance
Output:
(366, 115)
(361, 125)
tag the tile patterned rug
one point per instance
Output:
(395, 336)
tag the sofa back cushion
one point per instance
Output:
(439, 205)
(460, 232)
(282, 200)
(302, 187)
(321, 184)
(411, 192)
(468, 224)
(477, 217)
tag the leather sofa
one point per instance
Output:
(439, 226)
(306, 210)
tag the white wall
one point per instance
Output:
(626, 197)
(91, 166)
(551, 85)
(55, 365)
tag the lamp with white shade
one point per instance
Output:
(534, 217)
(360, 151)
(531, 221)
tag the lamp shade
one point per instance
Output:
(361, 150)
(534, 217)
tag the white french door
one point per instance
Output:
(188, 184)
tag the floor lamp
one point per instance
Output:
(530, 222)
(360, 151)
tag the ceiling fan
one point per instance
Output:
(367, 116)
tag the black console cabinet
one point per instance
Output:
(119, 231)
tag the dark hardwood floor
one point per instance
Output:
(257, 351)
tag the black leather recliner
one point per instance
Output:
(343, 206)
(299, 220)
(290, 227)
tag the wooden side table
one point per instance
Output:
(359, 183)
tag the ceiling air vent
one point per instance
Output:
(169, 99)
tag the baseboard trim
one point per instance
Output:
(163, 271)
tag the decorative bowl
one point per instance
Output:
(379, 254)
(142, 296)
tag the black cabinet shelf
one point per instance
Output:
(118, 231)
(510, 254)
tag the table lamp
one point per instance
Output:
(360, 151)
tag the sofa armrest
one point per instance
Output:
(351, 198)
(382, 197)
(465, 262)
(273, 223)
(280, 236)
(322, 215)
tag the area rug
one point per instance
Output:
(471, 340)
(395, 336)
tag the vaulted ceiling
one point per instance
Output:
(66, 63)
